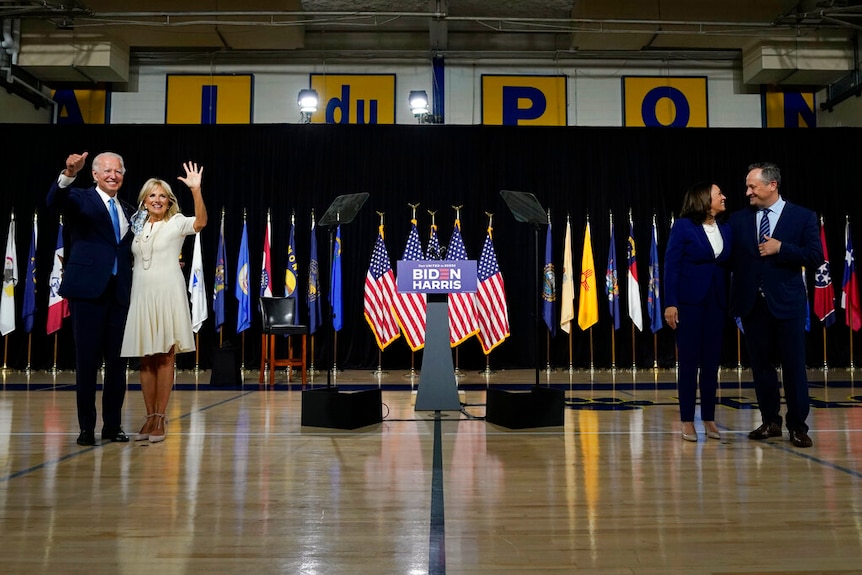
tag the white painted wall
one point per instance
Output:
(594, 91)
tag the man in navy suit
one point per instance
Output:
(772, 240)
(97, 281)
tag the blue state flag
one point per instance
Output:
(291, 271)
(315, 317)
(335, 284)
(549, 287)
(612, 284)
(28, 310)
(243, 313)
(220, 281)
(653, 292)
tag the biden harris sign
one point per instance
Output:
(437, 276)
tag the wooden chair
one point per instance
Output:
(277, 315)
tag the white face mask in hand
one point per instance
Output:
(138, 220)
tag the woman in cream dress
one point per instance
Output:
(159, 323)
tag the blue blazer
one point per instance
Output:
(780, 275)
(691, 267)
(92, 246)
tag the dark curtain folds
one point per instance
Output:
(574, 172)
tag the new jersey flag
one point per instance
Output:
(58, 306)
(197, 288)
(10, 280)
(824, 293)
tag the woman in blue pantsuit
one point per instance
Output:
(695, 285)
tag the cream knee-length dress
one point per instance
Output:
(159, 315)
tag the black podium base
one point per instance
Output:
(539, 407)
(329, 407)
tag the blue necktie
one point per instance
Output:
(764, 225)
(115, 218)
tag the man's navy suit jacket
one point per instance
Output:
(92, 245)
(779, 276)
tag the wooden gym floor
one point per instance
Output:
(240, 486)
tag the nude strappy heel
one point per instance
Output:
(144, 436)
(160, 425)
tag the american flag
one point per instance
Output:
(491, 299)
(462, 306)
(410, 308)
(433, 250)
(379, 294)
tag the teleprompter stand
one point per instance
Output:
(330, 407)
(541, 406)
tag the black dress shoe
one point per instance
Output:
(86, 438)
(118, 436)
(800, 439)
(766, 431)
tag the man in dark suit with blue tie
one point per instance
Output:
(97, 280)
(772, 240)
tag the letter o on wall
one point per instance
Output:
(651, 101)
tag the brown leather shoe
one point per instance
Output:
(800, 439)
(766, 431)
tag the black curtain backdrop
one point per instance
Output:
(579, 172)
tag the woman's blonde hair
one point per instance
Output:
(150, 185)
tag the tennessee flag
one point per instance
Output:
(824, 294)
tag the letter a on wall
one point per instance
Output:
(209, 99)
(665, 102)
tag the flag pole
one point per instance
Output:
(197, 353)
(54, 369)
(5, 351)
(825, 365)
(30, 346)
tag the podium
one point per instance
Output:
(438, 390)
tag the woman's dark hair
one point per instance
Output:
(697, 202)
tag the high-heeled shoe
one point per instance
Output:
(712, 433)
(689, 436)
(155, 435)
(144, 436)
